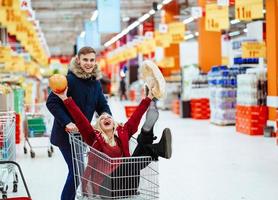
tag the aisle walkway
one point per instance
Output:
(208, 163)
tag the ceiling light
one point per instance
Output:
(166, 2)
(144, 17)
(82, 34)
(190, 36)
(196, 33)
(264, 11)
(235, 21)
(133, 25)
(94, 16)
(152, 11)
(125, 19)
(245, 30)
(235, 33)
(188, 20)
(159, 6)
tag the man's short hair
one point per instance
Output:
(85, 51)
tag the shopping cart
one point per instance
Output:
(36, 123)
(97, 176)
(7, 150)
(12, 164)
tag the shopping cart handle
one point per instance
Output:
(73, 133)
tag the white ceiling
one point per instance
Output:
(62, 21)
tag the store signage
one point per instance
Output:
(5, 54)
(196, 12)
(92, 36)
(80, 42)
(6, 3)
(177, 31)
(248, 10)
(25, 5)
(253, 50)
(223, 2)
(163, 28)
(148, 26)
(109, 18)
(146, 46)
(217, 17)
(149, 35)
(167, 62)
(131, 53)
(163, 39)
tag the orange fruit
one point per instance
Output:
(58, 83)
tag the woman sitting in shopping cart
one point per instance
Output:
(112, 138)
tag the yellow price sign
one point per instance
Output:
(167, 62)
(253, 50)
(177, 31)
(249, 9)
(6, 3)
(163, 39)
(217, 17)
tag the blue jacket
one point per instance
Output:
(88, 95)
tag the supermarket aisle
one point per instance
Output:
(208, 163)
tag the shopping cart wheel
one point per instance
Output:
(15, 182)
(25, 150)
(4, 188)
(32, 154)
(49, 153)
(51, 149)
(15, 187)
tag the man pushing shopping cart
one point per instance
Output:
(111, 172)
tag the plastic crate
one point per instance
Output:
(129, 110)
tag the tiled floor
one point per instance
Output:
(208, 163)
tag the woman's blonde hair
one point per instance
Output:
(103, 134)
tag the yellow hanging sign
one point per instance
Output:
(6, 3)
(167, 62)
(162, 39)
(177, 31)
(217, 17)
(253, 50)
(249, 9)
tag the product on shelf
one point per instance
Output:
(200, 108)
(251, 112)
(6, 98)
(199, 103)
(222, 82)
(251, 119)
(252, 87)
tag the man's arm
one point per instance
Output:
(56, 106)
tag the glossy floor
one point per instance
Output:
(208, 163)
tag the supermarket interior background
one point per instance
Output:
(220, 62)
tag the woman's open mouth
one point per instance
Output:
(107, 123)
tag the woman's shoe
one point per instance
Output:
(164, 147)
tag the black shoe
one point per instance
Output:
(164, 147)
(151, 117)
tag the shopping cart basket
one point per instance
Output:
(7, 150)
(36, 123)
(8, 164)
(97, 176)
